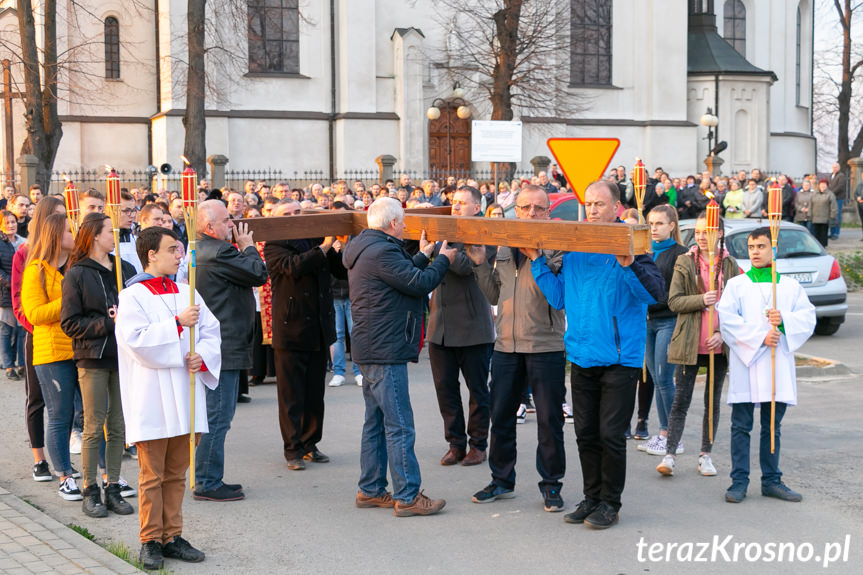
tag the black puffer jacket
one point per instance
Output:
(304, 318)
(665, 262)
(7, 253)
(388, 294)
(87, 308)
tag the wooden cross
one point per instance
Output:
(617, 239)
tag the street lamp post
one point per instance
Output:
(462, 111)
(710, 121)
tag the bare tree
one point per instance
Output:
(511, 50)
(838, 84)
(44, 130)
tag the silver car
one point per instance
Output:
(801, 257)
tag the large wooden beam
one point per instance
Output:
(618, 239)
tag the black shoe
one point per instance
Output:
(92, 505)
(628, 433)
(641, 430)
(316, 456)
(41, 472)
(256, 380)
(553, 501)
(151, 557)
(296, 464)
(603, 517)
(223, 493)
(233, 486)
(781, 491)
(585, 508)
(115, 502)
(243, 398)
(492, 492)
(180, 549)
(12, 374)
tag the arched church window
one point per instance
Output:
(734, 28)
(112, 48)
(590, 42)
(274, 36)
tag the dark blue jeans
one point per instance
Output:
(741, 425)
(545, 373)
(11, 345)
(210, 455)
(388, 433)
(59, 382)
(343, 320)
(659, 333)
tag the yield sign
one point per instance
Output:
(583, 160)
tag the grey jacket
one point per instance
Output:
(459, 314)
(225, 278)
(525, 322)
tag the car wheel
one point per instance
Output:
(828, 325)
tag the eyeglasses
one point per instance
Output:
(528, 207)
(129, 212)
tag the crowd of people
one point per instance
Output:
(110, 364)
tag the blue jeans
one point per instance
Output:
(656, 355)
(210, 455)
(9, 345)
(343, 318)
(59, 382)
(741, 425)
(388, 433)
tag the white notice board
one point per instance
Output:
(495, 141)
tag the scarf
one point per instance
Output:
(659, 247)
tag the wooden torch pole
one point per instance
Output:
(190, 210)
(774, 213)
(113, 206)
(712, 236)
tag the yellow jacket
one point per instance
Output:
(42, 308)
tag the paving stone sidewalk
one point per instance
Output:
(32, 542)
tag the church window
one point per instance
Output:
(274, 36)
(590, 42)
(112, 48)
(734, 28)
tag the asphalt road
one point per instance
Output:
(305, 522)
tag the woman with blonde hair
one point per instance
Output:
(41, 298)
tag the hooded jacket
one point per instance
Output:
(88, 310)
(388, 294)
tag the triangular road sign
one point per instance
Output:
(583, 160)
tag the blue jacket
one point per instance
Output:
(606, 305)
(389, 290)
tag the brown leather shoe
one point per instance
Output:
(364, 501)
(474, 457)
(453, 456)
(421, 505)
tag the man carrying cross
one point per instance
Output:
(606, 299)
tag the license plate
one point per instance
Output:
(802, 277)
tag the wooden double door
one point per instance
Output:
(449, 143)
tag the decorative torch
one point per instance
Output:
(639, 181)
(113, 207)
(774, 213)
(70, 198)
(712, 236)
(190, 210)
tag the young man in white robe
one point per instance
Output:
(152, 330)
(751, 328)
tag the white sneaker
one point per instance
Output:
(521, 414)
(69, 490)
(705, 466)
(679, 449)
(656, 446)
(337, 381)
(652, 442)
(358, 379)
(567, 412)
(667, 465)
(75, 442)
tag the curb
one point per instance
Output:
(832, 368)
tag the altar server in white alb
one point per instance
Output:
(746, 319)
(152, 330)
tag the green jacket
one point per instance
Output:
(685, 298)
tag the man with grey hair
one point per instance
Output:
(388, 293)
(226, 276)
